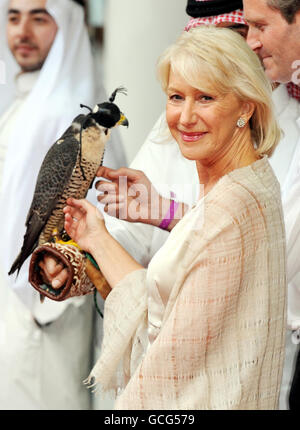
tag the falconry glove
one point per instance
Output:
(83, 275)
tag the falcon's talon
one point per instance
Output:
(69, 242)
(63, 239)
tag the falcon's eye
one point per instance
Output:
(96, 109)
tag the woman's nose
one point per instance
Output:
(188, 114)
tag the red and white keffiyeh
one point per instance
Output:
(236, 17)
(293, 90)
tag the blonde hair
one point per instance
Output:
(230, 67)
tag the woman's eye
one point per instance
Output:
(175, 97)
(206, 98)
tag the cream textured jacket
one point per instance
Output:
(167, 168)
(218, 342)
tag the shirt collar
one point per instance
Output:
(280, 98)
(25, 82)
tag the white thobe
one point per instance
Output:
(285, 163)
(24, 84)
(41, 367)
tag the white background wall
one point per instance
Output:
(136, 33)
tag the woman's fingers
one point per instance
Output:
(109, 198)
(131, 174)
(82, 204)
(111, 174)
(74, 212)
(104, 172)
(110, 193)
(106, 187)
(114, 209)
(70, 224)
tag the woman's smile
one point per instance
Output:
(192, 136)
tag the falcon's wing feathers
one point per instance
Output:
(54, 175)
(56, 171)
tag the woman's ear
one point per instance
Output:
(247, 111)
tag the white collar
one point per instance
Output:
(280, 98)
(25, 82)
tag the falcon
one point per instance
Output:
(68, 170)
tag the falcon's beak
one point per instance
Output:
(123, 121)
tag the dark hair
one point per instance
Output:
(287, 8)
(200, 9)
(81, 2)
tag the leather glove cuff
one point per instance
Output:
(78, 282)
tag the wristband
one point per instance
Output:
(169, 216)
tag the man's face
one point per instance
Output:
(30, 33)
(238, 28)
(274, 40)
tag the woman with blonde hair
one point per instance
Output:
(203, 327)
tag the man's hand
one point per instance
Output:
(53, 272)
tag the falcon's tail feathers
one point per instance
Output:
(30, 242)
(16, 265)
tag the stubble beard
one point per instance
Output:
(31, 67)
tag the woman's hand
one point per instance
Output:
(129, 196)
(84, 223)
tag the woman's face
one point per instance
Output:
(203, 124)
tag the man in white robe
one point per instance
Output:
(45, 349)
